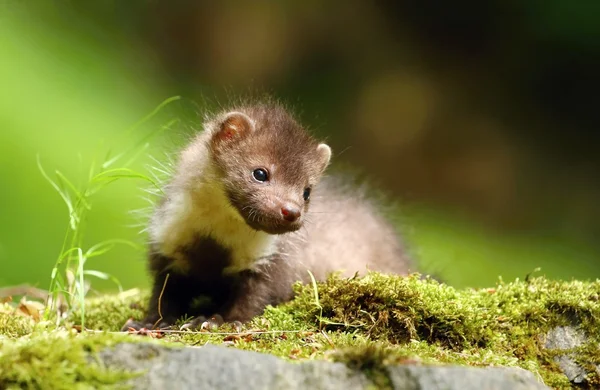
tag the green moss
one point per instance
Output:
(13, 325)
(57, 360)
(112, 311)
(499, 326)
(370, 359)
(425, 321)
(377, 320)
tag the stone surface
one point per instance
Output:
(458, 378)
(214, 367)
(566, 338)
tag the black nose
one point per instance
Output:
(290, 213)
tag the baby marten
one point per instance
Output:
(234, 230)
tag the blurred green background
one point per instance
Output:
(480, 117)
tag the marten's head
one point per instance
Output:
(268, 165)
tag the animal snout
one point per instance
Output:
(290, 213)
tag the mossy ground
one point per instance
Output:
(50, 358)
(365, 322)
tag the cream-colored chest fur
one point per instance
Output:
(185, 217)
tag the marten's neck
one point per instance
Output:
(199, 207)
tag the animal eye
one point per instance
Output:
(260, 175)
(306, 194)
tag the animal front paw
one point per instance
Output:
(131, 324)
(212, 323)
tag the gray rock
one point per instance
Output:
(565, 338)
(214, 367)
(459, 378)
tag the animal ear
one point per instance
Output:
(234, 126)
(324, 153)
